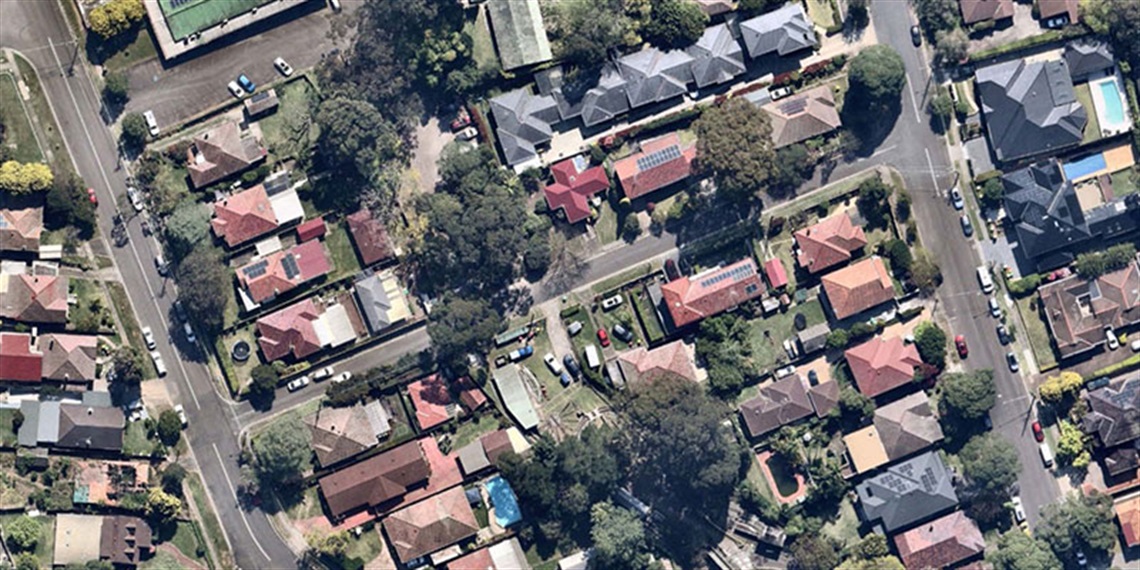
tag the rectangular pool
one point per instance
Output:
(1084, 166)
(1113, 104)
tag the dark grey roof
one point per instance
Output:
(814, 337)
(1114, 413)
(606, 100)
(1045, 209)
(786, 30)
(907, 425)
(908, 492)
(90, 427)
(522, 121)
(1086, 56)
(652, 75)
(1030, 108)
(717, 56)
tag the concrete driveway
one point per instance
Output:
(1023, 26)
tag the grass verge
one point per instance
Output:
(127, 318)
(18, 127)
(210, 523)
(1037, 332)
(41, 110)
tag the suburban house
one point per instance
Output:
(1051, 225)
(1088, 57)
(803, 116)
(261, 103)
(522, 124)
(1114, 414)
(775, 273)
(221, 152)
(900, 429)
(782, 31)
(265, 278)
(519, 33)
(652, 75)
(430, 525)
(907, 493)
(302, 329)
(372, 483)
(20, 359)
(575, 182)
(974, 11)
(515, 397)
(505, 555)
(659, 163)
(340, 433)
(824, 397)
(432, 401)
(1030, 108)
(33, 298)
(1079, 310)
(92, 424)
(642, 364)
(717, 57)
(830, 242)
(485, 452)
(716, 7)
(859, 287)
(119, 539)
(68, 357)
(1049, 9)
(370, 237)
(779, 403)
(882, 364)
(470, 395)
(21, 224)
(255, 212)
(380, 297)
(694, 297)
(944, 542)
(1128, 515)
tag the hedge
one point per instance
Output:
(1126, 365)
(1030, 42)
(1023, 287)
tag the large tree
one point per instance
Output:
(203, 287)
(186, 227)
(990, 463)
(126, 364)
(583, 31)
(951, 45)
(1120, 21)
(814, 552)
(169, 427)
(1080, 522)
(67, 205)
(734, 146)
(675, 24)
(282, 453)
(937, 15)
(25, 178)
(458, 326)
(618, 535)
(724, 346)
(22, 534)
(930, 340)
(877, 77)
(1016, 550)
(354, 134)
(873, 202)
(968, 396)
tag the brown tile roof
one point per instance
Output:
(828, 243)
(779, 403)
(824, 397)
(33, 298)
(940, 543)
(339, 433)
(281, 271)
(221, 152)
(432, 524)
(858, 287)
(376, 480)
(496, 443)
(907, 425)
(1050, 8)
(690, 299)
(19, 360)
(21, 223)
(572, 188)
(432, 401)
(90, 427)
(882, 364)
(644, 365)
(714, 7)
(666, 161)
(1128, 515)
(124, 539)
(1078, 309)
(290, 331)
(470, 395)
(370, 237)
(69, 357)
(974, 11)
(1114, 413)
(243, 216)
(803, 116)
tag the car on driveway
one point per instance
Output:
(1098, 383)
(1011, 359)
(323, 373)
(780, 93)
(283, 67)
(603, 338)
(1058, 22)
(623, 333)
(297, 383)
(246, 83)
(151, 123)
(916, 35)
(1038, 433)
(235, 89)
(1110, 336)
(967, 227)
(960, 344)
(552, 363)
(572, 366)
(1003, 334)
(785, 371)
(148, 336)
(611, 302)
(956, 199)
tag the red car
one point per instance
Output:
(91, 196)
(960, 342)
(603, 337)
(1038, 433)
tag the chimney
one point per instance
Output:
(90, 410)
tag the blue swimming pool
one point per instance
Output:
(1113, 104)
(1084, 166)
(503, 499)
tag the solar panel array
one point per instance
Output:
(659, 157)
(737, 275)
(177, 3)
(3, 223)
(257, 269)
(929, 481)
(794, 106)
(289, 263)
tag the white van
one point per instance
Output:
(985, 280)
(592, 360)
(1046, 454)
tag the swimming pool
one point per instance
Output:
(503, 499)
(1113, 105)
(1084, 166)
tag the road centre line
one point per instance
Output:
(233, 492)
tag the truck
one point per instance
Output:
(521, 353)
(985, 280)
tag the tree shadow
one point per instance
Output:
(870, 123)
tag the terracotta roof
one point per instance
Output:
(645, 365)
(21, 224)
(124, 539)
(1128, 515)
(659, 163)
(858, 287)
(803, 116)
(941, 542)
(824, 397)
(69, 357)
(289, 330)
(33, 298)
(779, 403)
(774, 270)
(1050, 8)
(427, 526)
(370, 237)
(340, 433)
(313, 228)
(974, 11)
(696, 297)
(470, 395)
(432, 401)
(18, 361)
(1078, 309)
(221, 152)
(376, 480)
(243, 216)
(281, 271)
(573, 186)
(882, 364)
(496, 443)
(828, 243)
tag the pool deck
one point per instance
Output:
(1109, 127)
(762, 457)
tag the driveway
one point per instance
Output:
(1023, 26)
(430, 140)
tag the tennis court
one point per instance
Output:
(185, 17)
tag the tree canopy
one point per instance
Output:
(1120, 21)
(1079, 522)
(127, 365)
(169, 428)
(1018, 551)
(67, 205)
(355, 135)
(282, 452)
(24, 178)
(814, 552)
(1056, 389)
(618, 535)
(734, 146)
(724, 346)
(930, 340)
(161, 506)
(991, 464)
(937, 15)
(186, 227)
(1073, 446)
(458, 326)
(968, 395)
(877, 77)
(873, 202)
(583, 31)
(22, 534)
(263, 382)
(114, 17)
(134, 131)
(675, 24)
(203, 287)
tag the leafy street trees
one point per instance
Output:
(877, 77)
(203, 282)
(898, 253)
(112, 18)
(930, 340)
(794, 165)
(187, 226)
(22, 534)
(968, 396)
(282, 453)
(126, 365)
(1079, 522)
(459, 326)
(675, 24)
(1072, 447)
(583, 31)
(134, 133)
(116, 88)
(951, 46)
(1018, 551)
(924, 272)
(937, 15)
(24, 178)
(169, 428)
(66, 204)
(724, 347)
(734, 146)
(619, 537)
(873, 202)
(991, 464)
(263, 385)
(1056, 389)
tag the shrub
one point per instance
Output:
(25, 178)
(1094, 264)
(1025, 286)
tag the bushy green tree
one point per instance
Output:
(186, 227)
(583, 31)
(114, 17)
(734, 146)
(951, 46)
(991, 464)
(25, 178)
(203, 287)
(618, 536)
(930, 340)
(675, 24)
(877, 77)
(264, 379)
(458, 326)
(814, 552)
(355, 135)
(1017, 550)
(1079, 522)
(134, 131)
(127, 365)
(724, 347)
(67, 205)
(1073, 446)
(282, 452)
(899, 255)
(873, 202)
(937, 15)
(169, 427)
(22, 534)
(968, 396)
(116, 88)
(161, 506)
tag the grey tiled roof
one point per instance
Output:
(653, 75)
(522, 121)
(907, 425)
(1045, 209)
(1087, 56)
(908, 492)
(1030, 108)
(717, 56)
(783, 31)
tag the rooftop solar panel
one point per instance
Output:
(289, 264)
(256, 270)
(794, 106)
(658, 158)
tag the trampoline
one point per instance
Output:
(504, 501)
(1085, 166)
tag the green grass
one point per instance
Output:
(610, 284)
(756, 478)
(1092, 128)
(483, 47)
(41, 110)
(186, 540)
(170, 187)
(341, 251)
(237, 373)
(135, 441)
(606, 225)
(18, 127)
(362, 549)
(90, 314)
(643, 305)
(308, 507)
(291, 129)
(210, 524)
(7, 433)
(965, 91)
(767, 351)
(127, 317)
(622, 314)
(845, 528)
(470, 431)
(141, 49)
(1038, 333)
(821, 196)
(1123, 182)
(161, 561)
(45, 545)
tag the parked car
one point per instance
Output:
(159, 365)
(780, 93)
(956, 199)
(501, 361)
(1110, 336)
(1018, 509)
(565, 378)
(342, 377)
(91, 197)
(160, 265)
(611, 302)
(136, 198)
(574, 328)
(148, 337)
(189, 333)
(1135, 345)
(960, 344)
(323, 373)
(1098, 383)
(297, 383)
(1082, 560)
(1058, 22)
(151, 123)
(603, 338)
(813, 377)
(283, 67)
(552, 363)
(468, 133)
(520, 353)
(1046, 453)
(572, 366)
(785, 371)
(967, 227)
(178, 409)
(623, 333)
(671, 271)
(995, 308)
(235, 89)
(179, 311)
(1011, 359)
(1003, 334)
(246, 83)
(1038, 433)
(916, 35)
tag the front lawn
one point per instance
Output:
(186, 540)
(18, 135)
(768, 334)
(606, 226)
(127, 318)
(822, 14)
(1037, 332)
(135, 442)
(45, 545)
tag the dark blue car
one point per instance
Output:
(246, 83)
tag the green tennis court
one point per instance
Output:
(185, 17)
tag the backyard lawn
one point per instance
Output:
(1092, 128)
(1125, 182)
(135, 441)
(1038, 333)
(821, 13)
(845, 528)
(470, 431)
(639, 297)
(291, 129)
(483, 47)
(768, 334)
(341, 251)
(7, 431)
(18, 134)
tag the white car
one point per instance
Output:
(342, 377)
(297, 383)
(181, 415)
(780, 93)
(159, 365)
(1135, 345)
(189, 333)
(785, 371)
(136, 198)
(956, 199)
(323, 374)
(148, 336)
(468, 133)
(1018, 510)
(995, 308)
(611, 302)
(283, 67)
(1110, 336)
(235, 89)
(151, 123)
(552, 363)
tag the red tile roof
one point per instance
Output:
(695, 297)
(644, 365)
(940, 543)
(1050, 8)
(221, 152)
(370, 237)
(243, 216)
(470, 395)
(858, 287)
(376, 480)
(496, 443)
(23, 223)
(34, 298)
(572, 188)
(271, 276)
(673, 164)
(313, 228)
(1128, 515)
(289, 330)
(774, 270)
(974, 11)
(828, 243)
(431, 400)
(18, 362)
(881, 365)
(432, 524)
